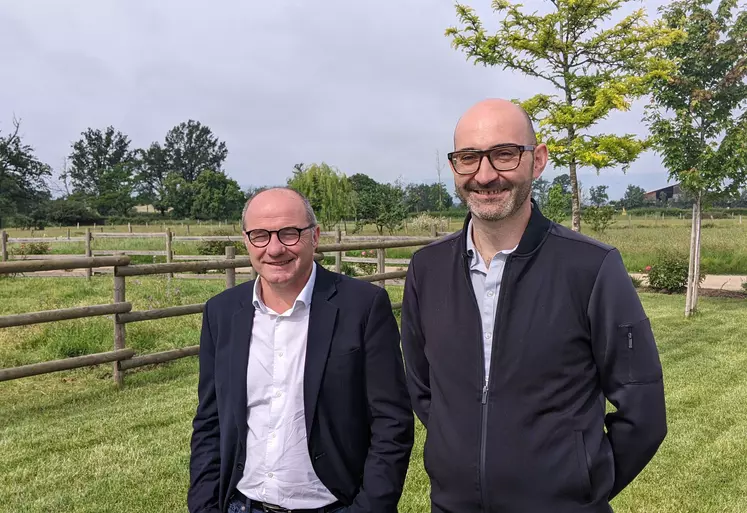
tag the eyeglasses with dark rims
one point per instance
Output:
(503, 157)
(288, 236)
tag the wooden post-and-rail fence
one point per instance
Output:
(124, 359)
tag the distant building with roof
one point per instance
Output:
(672, 192)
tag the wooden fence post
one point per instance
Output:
(230, 273)
(4, 245)
(338, 255)
(119, 327)
(381, 265)
(187, 228)
(169, 251)
(68, 234)
(89, 270)
(434, 232)
(129, 227)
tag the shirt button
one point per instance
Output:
(487, 335)
(278, 393)
(280, 354)
(490, 293)
(270, 474)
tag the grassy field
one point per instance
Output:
(640, 240)
(71, 442)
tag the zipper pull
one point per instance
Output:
(630, 338)
(485, 393)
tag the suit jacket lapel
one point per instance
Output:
(321, 328)
(241, 333)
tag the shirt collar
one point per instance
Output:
(475, 257)
(304, 297)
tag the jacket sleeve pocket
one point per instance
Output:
(639, 353)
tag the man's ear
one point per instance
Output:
(540, 160)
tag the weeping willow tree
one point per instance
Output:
(328, 190)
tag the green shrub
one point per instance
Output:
(744, 285)
(636, 282)
(669, 274)
(31, 248)
(218, 247)
(598, 218)
(348, 269)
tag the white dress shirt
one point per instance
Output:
(486, 280)
(278, 468)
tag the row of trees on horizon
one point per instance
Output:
(184, 178)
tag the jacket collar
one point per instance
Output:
(535, 232)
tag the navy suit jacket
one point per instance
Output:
(359, 420)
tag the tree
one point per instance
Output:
(23, 184)
(364, 191)
(556, 204)
(328, 191)
(192, 148)
(598, 195)
(634, 197)
(215, 196)
(424, 197)
(564, 181)
(564, 195)
(179, 195)
(152, 168)
(389, 203)
(596, 71)
(116, 188)
(540, 188)
(93, 155)
(697, 117)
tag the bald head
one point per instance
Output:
(497, 118)
(278, 200)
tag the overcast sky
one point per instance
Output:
(370, 87)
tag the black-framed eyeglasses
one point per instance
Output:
(288, 236)
(503, 157)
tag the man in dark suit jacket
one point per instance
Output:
(303, 405)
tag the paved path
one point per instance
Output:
(713, 281)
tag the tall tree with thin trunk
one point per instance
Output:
(595, 70)
(697, 118)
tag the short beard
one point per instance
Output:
(517, 196)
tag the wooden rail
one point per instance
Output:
(64, 314)
(124, 359)
(68, 363)
(28, 266)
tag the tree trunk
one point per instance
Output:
(691, 265)
(693, 275)
(575, 203)
(696, 274)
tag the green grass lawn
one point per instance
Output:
(71, 442)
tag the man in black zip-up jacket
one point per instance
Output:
(509, 363)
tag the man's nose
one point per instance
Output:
(486, 174)
(275, 247)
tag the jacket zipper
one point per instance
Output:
(630, 348)
(486, 379)
(630, 337)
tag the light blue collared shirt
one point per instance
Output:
(486, 281)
